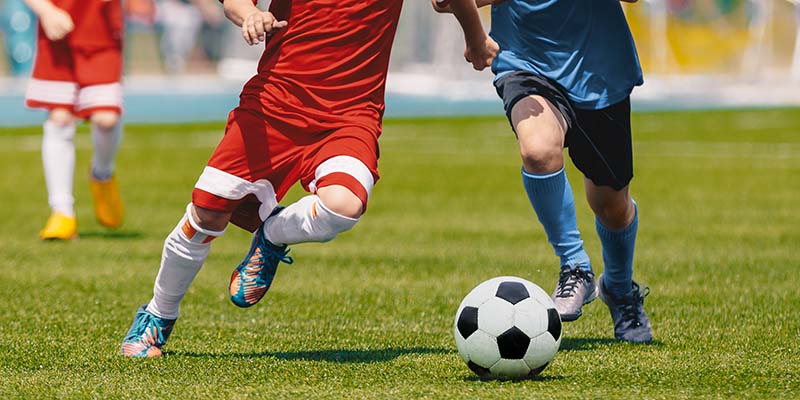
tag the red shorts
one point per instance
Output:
(262, 158)
(82, 81)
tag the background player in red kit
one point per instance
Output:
(311, 114)
(77, 75)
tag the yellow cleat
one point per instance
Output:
(59, 227)
(107, 202)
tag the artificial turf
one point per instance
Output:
(370, 314)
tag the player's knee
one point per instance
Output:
(105, 120)
(615, 209)
(211, 220)
(61, 117)
(341, 200)
(332, 223)
(541, 159)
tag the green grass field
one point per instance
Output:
(370, 314)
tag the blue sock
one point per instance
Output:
(552, 199)
(618, 248)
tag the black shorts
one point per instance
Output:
(599, 141)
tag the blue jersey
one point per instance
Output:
(583, 45)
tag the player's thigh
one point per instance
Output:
(98, 74)
(600, 145)
(53, 83)
(539, 125)
(346, 161)
(252, 167)
(540, 114)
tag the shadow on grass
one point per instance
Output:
(580, 344)
(114, 235)
(337, 356)
(537, 378)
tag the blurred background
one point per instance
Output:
(695, 53)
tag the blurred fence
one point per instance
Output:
(695, 53)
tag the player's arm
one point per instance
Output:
(481, 49)
(56, 22)
(256, 24)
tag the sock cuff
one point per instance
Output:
(194, 232)
(623, 234)
(152, 308)
(96, 129)
(67, 130)
(545, 183)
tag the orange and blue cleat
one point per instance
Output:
(253, 277)
(147, 335)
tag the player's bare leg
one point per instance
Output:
(314, 218)
(617, 223)
(185, 251)
(58, 157)
(106, 135)
(541, 129)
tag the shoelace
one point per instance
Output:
(280, 256)
(152, 331)
(569, 280)
(630, 308)
(272, 254)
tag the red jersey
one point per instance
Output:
(328, 67)
(98, 23)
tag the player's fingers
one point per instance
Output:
(279, 24)
(246, 33)
(267, 25)
(69, 25)
(252, 29)
(59, 33)
(260, 27)
(257, 32)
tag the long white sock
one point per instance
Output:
(307, 220)
(106, 144)
(185, 251)
(58, 157)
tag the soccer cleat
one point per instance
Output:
(147, 335)
(575, 288)
(59, 227)
(107, 202)
(630, 320)
(252, 278)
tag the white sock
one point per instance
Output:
(106, 143)
(58, 157)
(185, 251)
(307, 220)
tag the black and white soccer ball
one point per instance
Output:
(507, 327)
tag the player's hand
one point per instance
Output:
(482, 55)
(56, 23)
(258, 25)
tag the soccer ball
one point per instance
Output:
(507, 327)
